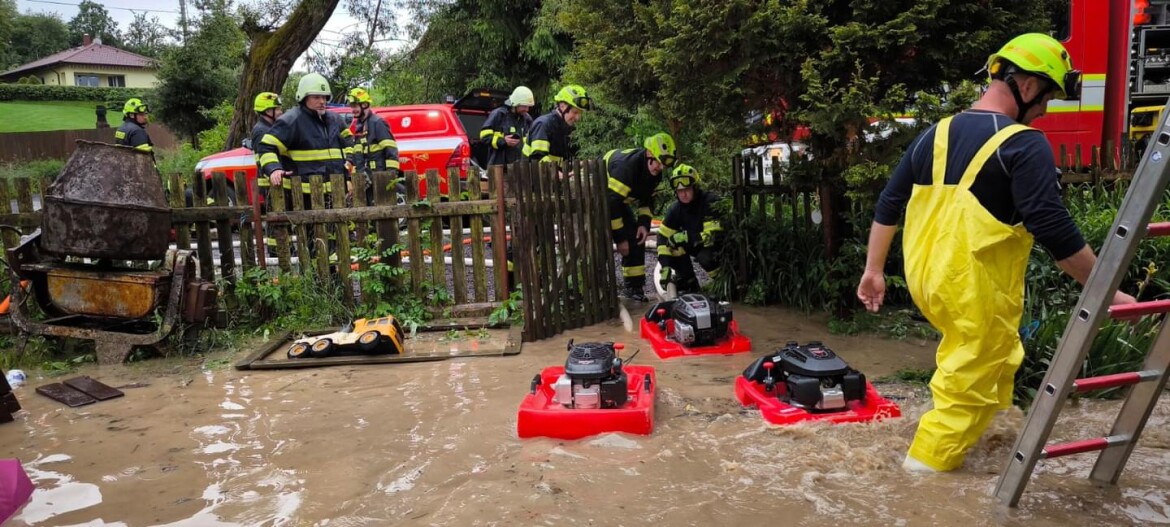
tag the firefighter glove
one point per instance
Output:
(679, 238)
(664, 275)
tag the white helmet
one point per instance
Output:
(521, 96)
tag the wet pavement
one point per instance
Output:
(435, 444)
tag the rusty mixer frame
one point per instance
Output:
(107, 206)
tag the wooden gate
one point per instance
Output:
(562, 246)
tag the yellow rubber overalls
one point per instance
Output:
(965, 270)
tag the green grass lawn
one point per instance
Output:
(40, 116)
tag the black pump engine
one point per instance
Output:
(698, 320)
(812, 377)
(593, 377)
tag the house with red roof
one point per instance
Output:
(91, 64)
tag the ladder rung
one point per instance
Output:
(1138, 309)
(1158, 229)
(1112, 381)
(1080, 447)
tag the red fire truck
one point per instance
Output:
(1085, 34)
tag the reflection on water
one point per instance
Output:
(435, 444)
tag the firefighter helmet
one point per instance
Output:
(574, 95)
(358, 96)
(266, 101)
(313, 84)
(661, 147)
(684, 176)
(134, 106)
(521, 96)
(1041, 55)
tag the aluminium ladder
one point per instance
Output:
(1132, 224)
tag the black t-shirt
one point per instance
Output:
(1019, 183)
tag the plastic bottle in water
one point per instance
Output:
(16, 378)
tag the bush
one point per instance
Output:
(30, 79)
(41, 169)
(40, 92)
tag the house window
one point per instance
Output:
(85, 79)
(117, 81)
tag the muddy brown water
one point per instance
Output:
(435, 444)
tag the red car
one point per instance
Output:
(438, 136)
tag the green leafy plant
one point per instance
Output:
(509, 310)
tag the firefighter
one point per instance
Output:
(310, 139)
(132, 133)
(507, 126)
(691, 228)
(633, 175)
(268, 109)
(548, 139)
(375, 148)
(977, 188)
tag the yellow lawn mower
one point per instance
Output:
(362, 336)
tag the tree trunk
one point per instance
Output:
(271, 56)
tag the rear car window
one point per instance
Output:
(408, 123)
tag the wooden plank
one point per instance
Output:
(438, 268)
(571, 246)
(521, 245)
(304, 264)
(541, 296)
(24, 200)
(223, 231)
(320, 238)
(279, 232)
(202, 232)
(500, 237)
(384, 195)
(247, 239)
(383, 212)
(414, 241)
(11, 239)
(559, 277)
(361, 228)
(478, 259)
(458, 269)
(581, 257)
(548, 247)
(178, 201)
(342, 232)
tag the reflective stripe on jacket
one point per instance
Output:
(313, 144)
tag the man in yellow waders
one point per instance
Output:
(977, 187)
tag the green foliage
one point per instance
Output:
(146, 36)
(179, 160)
(41, 169)
(384, 288)
(197, 77)
(50, 92)
(92, 19)
(509, 311)
(290, 301)
(214, 139)
(894, 323)
(30, 37)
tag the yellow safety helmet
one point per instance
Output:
(313, 84)
(1041, 55)
(135, 105)
(266, 101)
(574, 95)
(358, 96)
(661, 146)
(684, 176)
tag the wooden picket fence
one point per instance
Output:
(557, 229)
(564, 254)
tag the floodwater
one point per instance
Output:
(435, 444)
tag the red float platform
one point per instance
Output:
(778, 412)
(540, 416)
(734, 342)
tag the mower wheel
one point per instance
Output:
(322, 347)
(369, 341)
(299, 350)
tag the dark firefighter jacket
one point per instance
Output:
(630, 182)
(548, 139)
(375, 147)
(314, 145)
(131, 134)
(501, 123)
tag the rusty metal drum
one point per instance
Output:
(108, 202)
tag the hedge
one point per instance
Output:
(33, 92)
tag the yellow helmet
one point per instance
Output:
(574, 95)
(684, 176)
(358, 96)
(133, 106)
(661, 146)
(1041, 55)
(266, 101)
